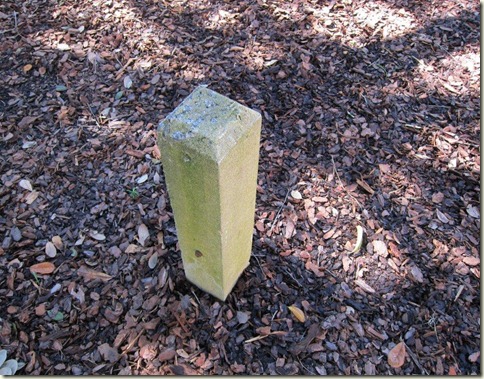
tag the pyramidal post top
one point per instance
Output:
(208, 123)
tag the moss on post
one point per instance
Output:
(210, 151)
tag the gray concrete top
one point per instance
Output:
(208, 123)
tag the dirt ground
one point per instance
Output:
(370, 118)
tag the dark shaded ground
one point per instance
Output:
(370, 117)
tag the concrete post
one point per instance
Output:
(210, 151)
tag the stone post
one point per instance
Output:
(210, 151)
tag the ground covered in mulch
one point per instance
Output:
(370, 118)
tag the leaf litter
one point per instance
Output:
(370, 118)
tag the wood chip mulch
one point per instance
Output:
(371, 117)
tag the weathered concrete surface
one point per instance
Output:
(210, 151)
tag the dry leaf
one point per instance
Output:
(132, 248)
(416, 274)
(361, 283)
(359, 238)
(143, 234)
(441, 216)
(127, 82)
(143, 178)
(63, 46)
(153, 261)
(452, 371)
(380, 248)
(26, 121)
(365, 186)
(43, 268)
(155, 79)
(31, 197)
(57, 241)
(473, 211)
(149, 351)
(385, 168)
(346, 263)
(89, 274)
(25, 184)
(50, 250)
(97, 236)
(289, 229)
(329, 234)
(474, 357)
(437, 197)
(396, 356)
(298, 313)
(79, 295)
(471, 261)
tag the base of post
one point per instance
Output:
(217, 291)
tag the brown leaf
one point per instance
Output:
(329, 233)
(153, 261)
(89, 274)
(40, 310)
(365, 186)
(380, 248)
(319, 199)
(298, 313)
(143, 234)
(148, 351)
(361, 283)
(441, 216)
(385, 168)
(166, 355)
(473, 211)
(26, 121)
(289, 229)
(396, 356)
(135, 153)
(57, 241)
(132, 248)
(474, 357)
(264, 330)
(43, 268)
(314, 268)
(151, 303)
(394, 250)
(97, 236)
(25, 184)
(471, 261)
(416, 274)
(346, 263)
(50, 250)
(31, 197)
(437, 197)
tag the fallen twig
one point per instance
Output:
(415, 360)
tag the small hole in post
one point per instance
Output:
(186, 158)
(198, 253)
